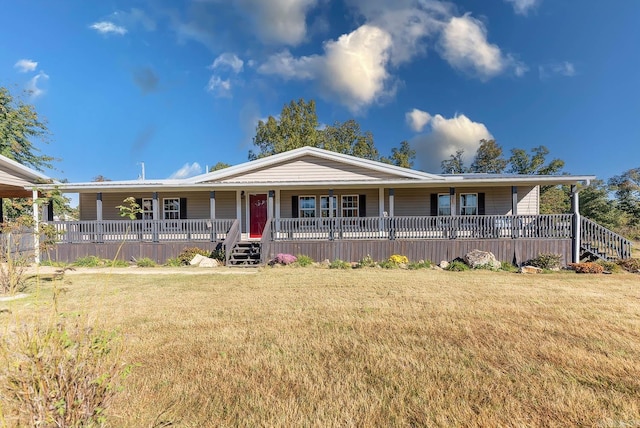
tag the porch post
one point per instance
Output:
(515, 232)
(212, 215)
(331, 225)
(277, 214)
(212, 205)
(239, 208)
(156, 216)
(575, 209)
(270, 204)
(452, 207)
(36, 228)
(392, 203)
(381, 210)
(1, 211)
(99, 217)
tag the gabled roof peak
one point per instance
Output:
(319, 153)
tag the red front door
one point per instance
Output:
(257, 215)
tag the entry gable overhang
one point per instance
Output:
(308, 164)
(17, 180)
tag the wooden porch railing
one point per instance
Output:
(602, 242)
(142, 230)
(232, 238)
(557, 226)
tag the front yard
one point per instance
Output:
(367, 347)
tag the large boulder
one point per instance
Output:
(482, 259)
(202, 261)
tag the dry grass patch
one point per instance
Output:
(314, 347)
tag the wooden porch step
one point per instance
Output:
(245, 254)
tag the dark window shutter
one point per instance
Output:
(434, 204)
(294, 207)
(183, 208)
(481, 204)
(50, 211)
(362, 206)
(139, 213)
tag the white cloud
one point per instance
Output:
(417, 119)
(522, 7)
(445, 138)
(279, 21)
(219, 87)
(32, 85)
(564, 68)
(26, 65)
(464, 46)
(187, 170)
(106, 27)
(353, 69)
(228, 60)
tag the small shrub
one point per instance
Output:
(189, 253)
(284, 259)
(219, 254)
(366, 261)
(588, 267)
(612, 267)
(145, 262)
(508, 267)
(386, 264)
(398, 259)
(422, 264)
(630, 265)
(63, 374)
(339, 264)
(546, 261)
(304, 261)
(89, 261)
(116, 263)
(457, 266)
(173, 262)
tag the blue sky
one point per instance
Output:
(180, 85)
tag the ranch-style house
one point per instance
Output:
(330, 206)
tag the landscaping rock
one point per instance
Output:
(202, 261)
(195, 261)
(530, 269)
(444, 264)
(477, 258)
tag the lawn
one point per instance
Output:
(370, 347)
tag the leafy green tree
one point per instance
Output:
(597, 205)
(455, 164)
(218, 166)
(534, 164)
(347, 138)
(627, 191)
(489, 158)
(296, 127)
(20, 127)
(402, 156)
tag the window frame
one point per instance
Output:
(325, 211)
(354, 209)
(146, 207)
(302, 209)
(464, 208)
(165, 211)
(448, 207)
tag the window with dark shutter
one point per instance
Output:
(481, 210)
(294, 206)
(139, 213)
(362, 205)
(434, 204)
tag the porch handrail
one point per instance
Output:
(233, 236)
(553, 226)
(140, 230)
(602, 240)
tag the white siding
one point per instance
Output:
(308, 168)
